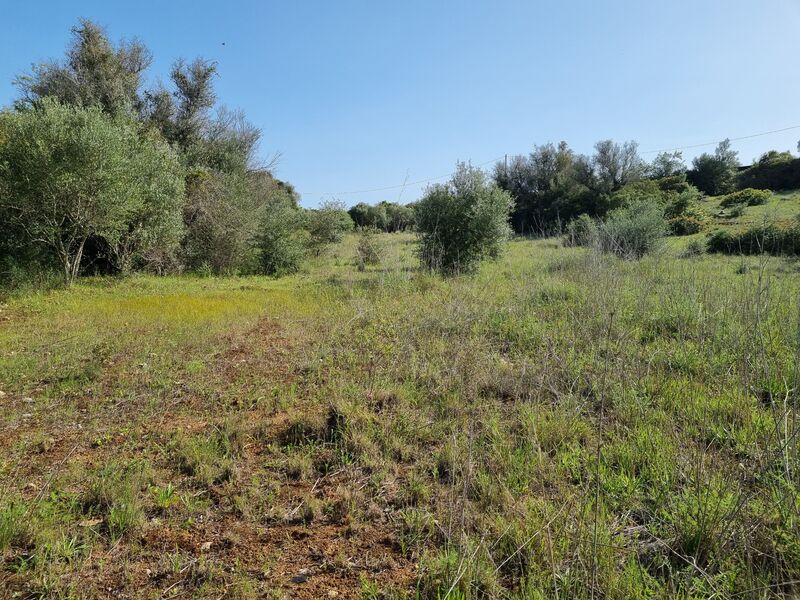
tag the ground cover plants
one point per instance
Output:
(563, 423)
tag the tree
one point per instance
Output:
(462, 222)
(616, 164)
(544, 186)
(667, 164)
(715, 174)
(283, 239)
(72, 173)
(328, 224)
(155, 228)
(94, 73)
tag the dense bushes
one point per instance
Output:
(283, 240)
(773, 171)
(98, 175)
(630, 231)
(384, 216)
(72, 174)
(553, 185)
(746, 197)
(463, 221)
(634, 230)
(766, 238)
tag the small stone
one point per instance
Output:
(205, 546)
(28, 400)
(26, 415)
(333, 594)
(299, 578)
(2, 394)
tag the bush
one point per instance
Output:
(686, 225)
(737, 210)
(765, 238)
(369, 250)
(693, 249)
(283, 240)
(747, 197)
(582, 231)
(634, 230)
(327, 225)
(462, 222)
(773, 171)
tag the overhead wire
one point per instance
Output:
(494, 160)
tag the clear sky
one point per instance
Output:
(368, 94)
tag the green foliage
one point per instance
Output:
(686, 224)
(94, 74)
(715, 174)
(553, 184)
(462, 222)
(13, 524)
(369, 249)
(582, 231)
(115, 494)
(283, 239)
(746, 197)
(384, 216)
(676, 197)
(71, 174)
(767, 238)
(633, 230)
(327, 225)
(772, 171)
(667, 164)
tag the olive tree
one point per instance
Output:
(463, 221)
(715, 174)
(71, 173)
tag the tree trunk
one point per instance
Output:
(74, 267)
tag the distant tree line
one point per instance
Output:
(384, 216)
(99, 175)
(553, 185)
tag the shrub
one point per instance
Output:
(283, 240)
(773, 171)
(582, 231)
(634, 230)
(327, 225)
(462, 222)
(685, 225)
(369, 249)
(737, 210)
(693, 249)
(766, 238)
(70, 175)
(747, 197)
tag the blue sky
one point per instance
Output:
(362, 94)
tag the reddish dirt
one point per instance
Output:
(325, 557)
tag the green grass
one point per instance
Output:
(560, 424)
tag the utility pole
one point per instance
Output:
(505, 163)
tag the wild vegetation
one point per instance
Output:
(228, 395)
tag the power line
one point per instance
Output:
(494, 160)
(736, 139)
(395, 187)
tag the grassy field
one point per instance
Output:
(560, 425)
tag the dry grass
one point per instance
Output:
(559, 425)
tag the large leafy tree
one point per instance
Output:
(70, 174)
(94, 73)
